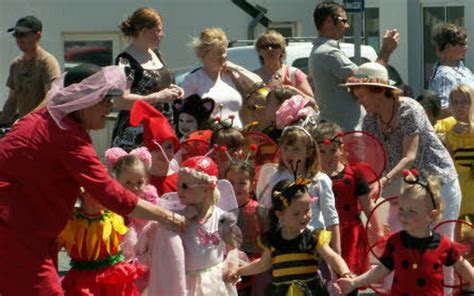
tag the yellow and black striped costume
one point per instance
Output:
(295, 263)
(462, 148)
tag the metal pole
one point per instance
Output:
(357, 37)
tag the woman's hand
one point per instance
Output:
(146, 210)
(175, 222)
(382, 182)
(168, 95)
(229, 66)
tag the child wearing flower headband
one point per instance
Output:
(131, 170)
(351, 191)
(416, 254)
(193, 263)
(291, 248)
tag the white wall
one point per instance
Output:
(393, 14)
(182, 20)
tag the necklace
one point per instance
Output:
(274, 77)
(387, 126)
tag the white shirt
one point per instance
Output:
(223, 91)
(324, 208)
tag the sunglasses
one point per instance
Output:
(185, 186)
(270, 46)
(342, 20)
(108, 100)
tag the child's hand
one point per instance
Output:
(346, 285)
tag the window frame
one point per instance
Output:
(424, 79)
(293, 25)
(117, 41)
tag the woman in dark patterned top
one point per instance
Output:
(151, 80)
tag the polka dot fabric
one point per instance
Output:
(347, 186)
(418, 262)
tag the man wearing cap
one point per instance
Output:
(329, 66)
(31, 73)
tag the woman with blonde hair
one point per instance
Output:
(271, 49)
(219, 79)
(151, 79)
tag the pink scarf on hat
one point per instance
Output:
(88, 92)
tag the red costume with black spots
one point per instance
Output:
(347, 186)
(418, 262)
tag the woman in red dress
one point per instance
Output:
(44, 160)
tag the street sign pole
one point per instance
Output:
(356, 7)
(357, 37)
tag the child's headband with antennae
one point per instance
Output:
(227, 122)
(416, 180)
(336, 138)
(163, 153)
(252, 148)
(211, 150)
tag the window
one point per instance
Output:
(99, 49)
(433, 16)
(370, 28)
(287, 29)
(302, 64)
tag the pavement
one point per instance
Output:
(63, 266)
(63, 258)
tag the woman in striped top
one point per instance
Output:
(292, 249)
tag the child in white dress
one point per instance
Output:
(194, 263)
